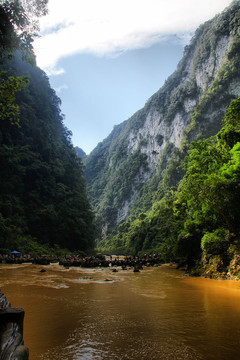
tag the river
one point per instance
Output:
(156, 314)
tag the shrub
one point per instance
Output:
(215, 243)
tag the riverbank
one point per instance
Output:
(216, 267)
(212, 267)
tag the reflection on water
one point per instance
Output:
(75, 313)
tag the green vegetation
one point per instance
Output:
(8, 89)
(43, 201)
(201, 216)
(19, 26)
(112, 176)
(186, 209)
(198, 92)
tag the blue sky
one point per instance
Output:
(105, 58)
(107, 91)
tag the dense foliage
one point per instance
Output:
(120, 182)
(19, 25)
(42, 191)
(202, 215)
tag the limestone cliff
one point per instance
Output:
(190, 105)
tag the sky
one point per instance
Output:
(106, 58)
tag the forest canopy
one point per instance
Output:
(43, 198)
(200, 218)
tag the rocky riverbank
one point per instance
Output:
(209, 266)
(218, 267)
(11, 332)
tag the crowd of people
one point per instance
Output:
(77, 260)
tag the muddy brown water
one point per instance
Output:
(156, 314)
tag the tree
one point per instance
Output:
(209, 194)
(230, 133)
(42, 191)
(8, 88)
(19, 25)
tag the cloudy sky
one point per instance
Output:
(105, 58)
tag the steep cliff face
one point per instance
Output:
(190, 105)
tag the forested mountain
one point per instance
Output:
(133, 175)
(166, 180)
(43, 197)
(198, 224)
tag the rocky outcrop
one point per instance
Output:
(225, 266)
(11, 332)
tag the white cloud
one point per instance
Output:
(104, 27)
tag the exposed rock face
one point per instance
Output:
(211, 65)
(156, 127)
(123, 211)
(11, 332)
(191, 104)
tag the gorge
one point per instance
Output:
(134, 176)
(191, 105)
(164, 182)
